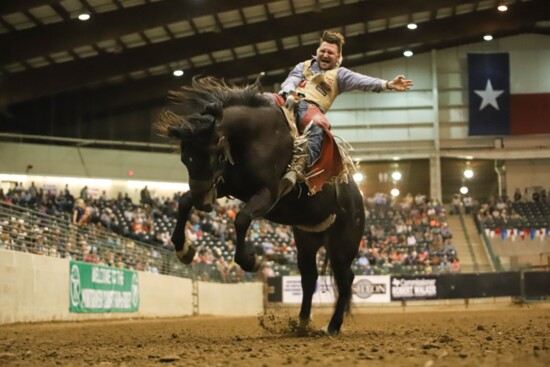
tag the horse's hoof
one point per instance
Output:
(303, 323)
(329, 331)
(186, 257)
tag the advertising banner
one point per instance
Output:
(407, 288)
(366, 289)
(97, 288)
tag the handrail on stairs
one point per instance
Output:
(494, 259)
(468, 241)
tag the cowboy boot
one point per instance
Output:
(296, 171)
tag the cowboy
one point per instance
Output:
(310, 89)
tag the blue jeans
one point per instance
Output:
(315, 135)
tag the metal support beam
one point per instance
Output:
(50, 80)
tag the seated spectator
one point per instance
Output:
(455, 265)
(444, 266)
(449, 248)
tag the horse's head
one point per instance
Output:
(203, 156)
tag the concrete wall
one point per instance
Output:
(242, 299)
(99, 169)
(33, 288)
(74, 161)
(36, 288)
(527, 173)
(164, 296)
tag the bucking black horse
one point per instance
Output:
(236, 142)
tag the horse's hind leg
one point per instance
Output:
(343, 248)
(308, 244)
(257, 206)
(343, 276)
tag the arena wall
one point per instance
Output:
(35, 288)
(527, 173)
(243, 299)
(75, 161)
(99, 169)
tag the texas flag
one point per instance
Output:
(489, 92)
(495, 109)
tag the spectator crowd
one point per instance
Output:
(410, 235)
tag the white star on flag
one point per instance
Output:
(489, 96)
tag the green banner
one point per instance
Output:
(97, 288)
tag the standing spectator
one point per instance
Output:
(455, 203)
(468, 204)
(84, 193)
(145, 196)
(517, 195)
(103, 198)
(78, 211)
(33, 192)
(19, 187)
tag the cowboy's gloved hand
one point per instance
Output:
(292, 100)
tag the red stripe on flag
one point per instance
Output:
(529, 114)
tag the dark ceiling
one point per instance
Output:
(122, 58)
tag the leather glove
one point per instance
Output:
(292, 100)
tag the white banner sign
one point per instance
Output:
(366, 289)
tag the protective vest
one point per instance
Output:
(320, 88)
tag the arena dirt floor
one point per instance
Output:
(506, 337)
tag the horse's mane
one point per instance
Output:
(206, 94)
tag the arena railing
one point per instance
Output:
(22, 229)
(495, 259)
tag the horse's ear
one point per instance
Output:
(214, 109)
(206, 126)
(180, 132)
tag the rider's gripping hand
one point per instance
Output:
(292, 100)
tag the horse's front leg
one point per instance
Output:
(257, 206)
(184, 250)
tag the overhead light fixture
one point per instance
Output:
(407, 53)
(468, 173)
(464, 190)
(178, 72)
(412, 26)
(358, 177)
(502, 7)
(396, 175)
(488, 37)
(83, 16)
(394, 192)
